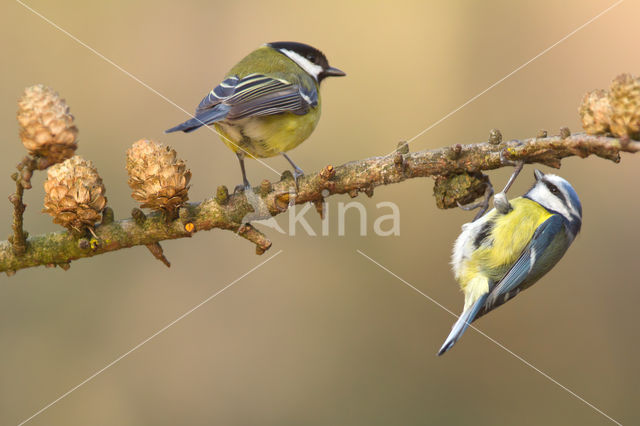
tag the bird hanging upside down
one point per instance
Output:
(513, 246)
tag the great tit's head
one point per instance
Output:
(310, 59)
(557, 195)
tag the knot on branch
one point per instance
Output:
(455, 189)
(495, 137)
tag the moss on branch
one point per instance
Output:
(231, 211)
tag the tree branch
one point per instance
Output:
(23, 181)
(457, 170)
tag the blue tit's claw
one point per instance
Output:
(482, 205)
(504, 160)
(507, 162)
(469, 207)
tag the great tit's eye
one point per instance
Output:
(311, 58)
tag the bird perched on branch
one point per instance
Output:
(268, 103)
(509, 249)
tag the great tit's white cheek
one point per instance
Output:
(312, 69)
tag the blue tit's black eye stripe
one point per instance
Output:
(555, 191)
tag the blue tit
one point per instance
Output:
(268, 103)
(501, 254)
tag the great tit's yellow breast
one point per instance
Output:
(269, 135)
(509, 236)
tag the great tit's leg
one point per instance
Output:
(245, 182)
(483, 205)
(297, 171)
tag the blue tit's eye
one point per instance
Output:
(554, 189)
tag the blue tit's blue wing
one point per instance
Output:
(255, 95)
(529, 262)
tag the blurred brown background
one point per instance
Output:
(320, 335)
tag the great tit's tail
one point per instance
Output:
(463, 322)
(205, 117)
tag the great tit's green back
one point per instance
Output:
(267, 61)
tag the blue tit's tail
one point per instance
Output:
(205, 117)
(463, 322)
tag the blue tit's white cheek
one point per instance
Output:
(541, 195)
(572, 202)
(310, 68)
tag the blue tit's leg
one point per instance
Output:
(500, 201)
(297, 171)
(519, 165)
(245, 182)
(483, 205)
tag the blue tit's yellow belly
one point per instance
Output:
(509, 236)
(269, 135)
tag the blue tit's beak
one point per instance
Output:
(333, 72)
(538, 174)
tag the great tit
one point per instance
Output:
(268, 103)
(501, 254)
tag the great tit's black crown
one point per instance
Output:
(309, 53)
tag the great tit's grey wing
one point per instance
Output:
(535, 260)
(202, 118)
(219, 94)
(252, 96)
(259, 95)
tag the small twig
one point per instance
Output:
(158, 253)
(23, 181)
(258, 238)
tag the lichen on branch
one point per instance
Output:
(160, 180)
(230, 211)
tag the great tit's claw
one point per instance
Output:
(242, 187)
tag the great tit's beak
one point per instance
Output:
(538, 174)
(333, 72)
